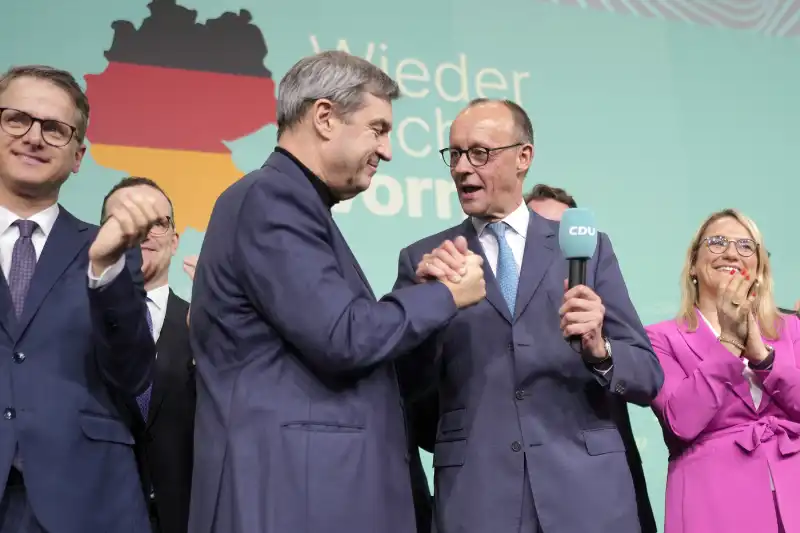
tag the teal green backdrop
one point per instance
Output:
(650, 119)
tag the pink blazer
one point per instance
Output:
(722, 448)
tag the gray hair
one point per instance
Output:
(337, 76)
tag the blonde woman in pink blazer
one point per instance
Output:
(730, 404)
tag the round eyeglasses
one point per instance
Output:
(477, 155)
(18, 123)
(161, 227)
(718, 244)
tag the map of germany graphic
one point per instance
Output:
(173, 91)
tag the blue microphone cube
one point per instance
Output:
(577, 234)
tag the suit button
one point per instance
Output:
(152, 495)
(620, 388)
(9, 413)
(516, 446)
(519, 395)
(19, 357)
(510, 346)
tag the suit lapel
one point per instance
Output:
(285, 165)
(67, 239)
(353, 259)
(540, 244)
(167, 339)
(360, 272)
(493, 294)
(703, 342)
(7, 319)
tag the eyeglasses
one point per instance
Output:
(159, 228)
(717, 244)
(477, 155)
(18, 123)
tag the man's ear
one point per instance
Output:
(323, 118)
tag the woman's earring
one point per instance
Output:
(694, 280)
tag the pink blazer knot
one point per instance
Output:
(768, 428)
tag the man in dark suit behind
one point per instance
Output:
(67, 350)
(527, 439)
(300, 423)
(163, 416)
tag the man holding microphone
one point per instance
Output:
(525, 441)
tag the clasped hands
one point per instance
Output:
(581, 314)
(458, 268)
(737, 317)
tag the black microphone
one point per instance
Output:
(577, 237)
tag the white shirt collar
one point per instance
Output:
(45, 219)
(518, 221)
(159, 296)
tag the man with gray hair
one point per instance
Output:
(299, 423)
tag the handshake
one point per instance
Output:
(458, 268)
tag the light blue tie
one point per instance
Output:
(507, 275)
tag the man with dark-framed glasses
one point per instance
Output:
(523, 428)
(73, 330)
(162, 417)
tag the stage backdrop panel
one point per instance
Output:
(652, 114)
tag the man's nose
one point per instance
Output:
(34, 135)
(463, 165)
(385, 150)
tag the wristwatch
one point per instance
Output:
(600, 361)
(767, 362)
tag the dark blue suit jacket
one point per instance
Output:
(64, 365)
(510, 387)
(299, 424)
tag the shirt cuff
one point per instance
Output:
(603, 368)
(108, 275)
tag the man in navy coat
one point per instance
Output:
(299, 424)
(526, 438)
(74, 336)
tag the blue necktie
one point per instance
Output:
(23, 263)
(506, 275)
(143, 400)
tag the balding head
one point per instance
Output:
(489, 155)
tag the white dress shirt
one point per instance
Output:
(9, 233)
(157, 305)
(517, 220)
(45, 220)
